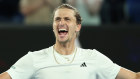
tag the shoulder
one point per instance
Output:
(41, 52)
(94, 54)
(41, 57)
(89, 52)
(35, 55)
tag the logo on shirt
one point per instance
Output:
(83, 65)
(13, 67)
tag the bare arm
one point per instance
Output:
(53, 3)
(138, 75)
(5, 75)
(28, 8)
(127, 74)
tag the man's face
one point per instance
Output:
(64, 25)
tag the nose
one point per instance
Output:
(62, 22)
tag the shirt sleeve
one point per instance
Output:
(23, 68)
(107, 69)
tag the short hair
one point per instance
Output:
(68, 6)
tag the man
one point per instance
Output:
(64, 60)
(38, 11)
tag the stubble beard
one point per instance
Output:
(64, 42)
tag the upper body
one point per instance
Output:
(66, 27)
(82, 64)
(38, 11)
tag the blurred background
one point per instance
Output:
(110, 26)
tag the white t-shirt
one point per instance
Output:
(87, 64)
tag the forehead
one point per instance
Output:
(64, 13)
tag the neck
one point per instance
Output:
(64, 49)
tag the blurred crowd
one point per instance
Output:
(93, 12)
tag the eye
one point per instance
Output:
(67, 19)
(57, 19)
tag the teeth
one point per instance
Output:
(62, 30)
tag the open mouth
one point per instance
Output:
(62, 31)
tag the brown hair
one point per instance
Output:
(77, 14)
(68, 6)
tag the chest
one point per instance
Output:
(73, 71)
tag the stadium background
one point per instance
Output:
(119, 41)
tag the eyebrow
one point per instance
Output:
(60, 18)
(57, 18)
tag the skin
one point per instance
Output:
(5, 75)
(28, 8)
(64, 18)
(65, 43)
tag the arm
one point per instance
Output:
(127, 74)
(5, 75)
(28, 8)
(53, 3)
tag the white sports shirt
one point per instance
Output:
(87, 64)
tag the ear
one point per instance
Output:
(78, 28)
(53, 30)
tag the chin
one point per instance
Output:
(63, 41)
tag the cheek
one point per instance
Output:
(55, 31)
(73, 29)
(54, 27)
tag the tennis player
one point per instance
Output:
(64, 60)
